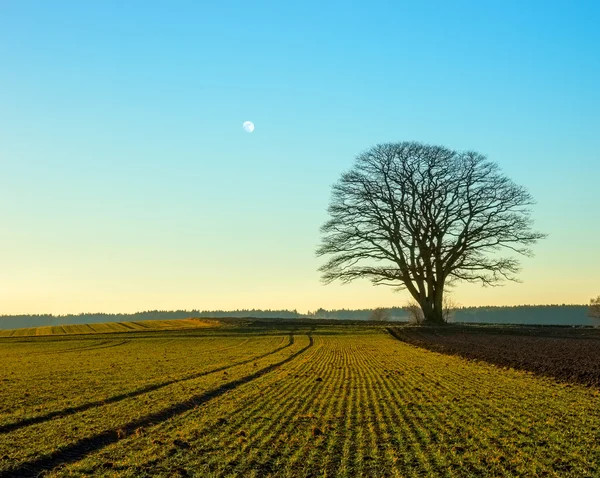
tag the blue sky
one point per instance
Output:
(127, 182)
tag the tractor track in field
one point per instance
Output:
(65, 412)
(111, 343)
(86, 446)
(103, 345)
(279, 424)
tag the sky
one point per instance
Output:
(127, 182)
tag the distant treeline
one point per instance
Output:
(396, 313)
(40, 320)
(527, 314)
(523, 314)
(520, 314)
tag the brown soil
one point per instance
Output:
(570, 354)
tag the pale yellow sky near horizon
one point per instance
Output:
(112, 272)
(354, 296)
(64, 290)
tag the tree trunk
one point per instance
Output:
(434, 316)
(433, 307)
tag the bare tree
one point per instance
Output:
(449, 308)
(415, 313)
(380, 314)
(421, 217)
(594, 311)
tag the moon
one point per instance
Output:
(248, 126)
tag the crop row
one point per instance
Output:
(43, 379)
(109, 327)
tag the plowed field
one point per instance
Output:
(565, 353)
(281, 401)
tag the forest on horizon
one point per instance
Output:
(522, 314)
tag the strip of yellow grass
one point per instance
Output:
(109, 327)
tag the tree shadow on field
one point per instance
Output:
(65, 412)
(86, 446)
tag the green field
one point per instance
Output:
(281, 401)
(110, 327)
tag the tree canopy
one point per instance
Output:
(422, 217)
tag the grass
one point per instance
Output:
(109, 327)
(281, 401)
